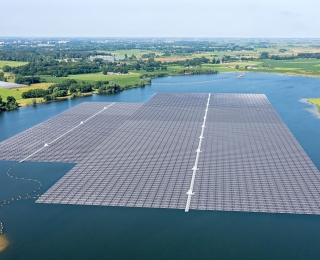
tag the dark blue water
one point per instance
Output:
(38, 231)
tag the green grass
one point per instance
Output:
(4, 92)
(35, 86)
(315, 101)
(53, 79)
(12, 63)
(28, 101)
(17, 92)
(122, 80)
(299, 67)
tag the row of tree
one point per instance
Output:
(309, 55)
(75, 88)
(56, 68)
(265, 55)
(40, 54)
(27, 80)
(60, 90)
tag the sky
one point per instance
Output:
(160, 18)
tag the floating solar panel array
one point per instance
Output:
(74, 145)
(146, 155)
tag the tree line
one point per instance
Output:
(37, 54)
(76, 88)
(55, 68)
(27, 80)
(266, 55)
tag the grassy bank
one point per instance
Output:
(4, 93)
(122, 80)
(17, 92)
(315, 101)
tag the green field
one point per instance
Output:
(4, 92)
(302, 67)
(310, 66)
(122, 80)
(315, 101)
(17, 92)
(12, 63)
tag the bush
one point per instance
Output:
(34, 93)
(26, 80)
(11, 103)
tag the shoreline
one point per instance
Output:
(22, 105)
(315, 102)
(4, 243)
(314, 109)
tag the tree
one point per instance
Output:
(2, 105)
(114, 87)
(34, 93)
(1, 76)
(73, 89)
(47, 98)
(237, 67)
(99, 61)
(85, 87)
(26, 80)
(11, 103)
(6, 68)
(264, 55)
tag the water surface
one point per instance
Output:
(39, 231)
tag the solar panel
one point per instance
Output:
(150, 155)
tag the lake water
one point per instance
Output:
(39, 231)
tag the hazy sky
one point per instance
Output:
(168, 18)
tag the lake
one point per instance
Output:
(40, 231)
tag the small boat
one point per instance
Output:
(241, 75)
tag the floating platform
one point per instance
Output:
(228, 152)
(9, 85)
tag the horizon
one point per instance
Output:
(157, 37)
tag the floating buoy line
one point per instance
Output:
(195, 82)
(31, 195)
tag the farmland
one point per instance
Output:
(145, 59)
(122, 80)
(12, 63)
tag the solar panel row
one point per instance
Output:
(142, 155)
